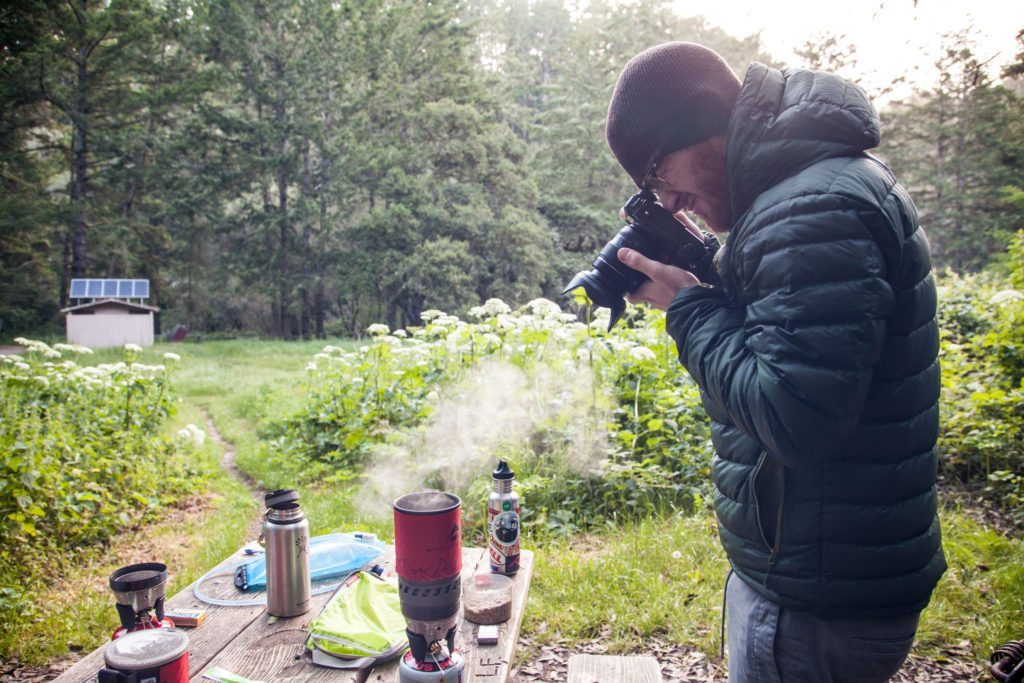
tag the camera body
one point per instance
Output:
(655, 233)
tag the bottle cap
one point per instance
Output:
(282, 499)
(503, 471)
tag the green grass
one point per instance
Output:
(657, 577)
(981, 596)
(633, 582)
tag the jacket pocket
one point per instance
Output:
(768, 487)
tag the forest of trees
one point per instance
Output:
(297, 168)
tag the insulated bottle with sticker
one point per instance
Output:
(503, 522)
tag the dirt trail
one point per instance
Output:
(229, 464)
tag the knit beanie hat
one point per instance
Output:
(668, 97)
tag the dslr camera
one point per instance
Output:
(655, 233)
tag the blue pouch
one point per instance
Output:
(330, 556)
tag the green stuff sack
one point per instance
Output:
(361, 625)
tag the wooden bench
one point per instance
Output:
(244, 641)
(610, 669)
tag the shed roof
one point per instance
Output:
(110, 302)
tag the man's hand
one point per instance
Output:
(666, 280)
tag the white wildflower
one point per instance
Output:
(23, 366)
(430, 314)
(677, 555)
(311, 367)
(491, 339)
(133, 348)
(192, 435)
(506, 322)
(172, 357)
(642, 353)
(544, 308)
(333, 349)
(401, 334)
(1006, 296)
(42, 381)
(496, 307)
(378, 330)
(321, 356)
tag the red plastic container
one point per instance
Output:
(428, 536)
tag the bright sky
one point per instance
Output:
(891, 36)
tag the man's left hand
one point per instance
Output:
(666, 280)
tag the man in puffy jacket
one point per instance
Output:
(817, 359)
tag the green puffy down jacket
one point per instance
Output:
(818, 360)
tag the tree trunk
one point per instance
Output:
(318, 310)
(79, 160)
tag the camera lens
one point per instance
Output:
(610, 280)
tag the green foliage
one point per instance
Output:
(982, 355)
(624, 439)
(82, 458)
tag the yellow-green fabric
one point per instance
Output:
(363, 618)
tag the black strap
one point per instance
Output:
(721, 634)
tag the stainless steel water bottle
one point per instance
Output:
(286, 539)
(503, 522)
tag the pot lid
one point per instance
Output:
(146, 649)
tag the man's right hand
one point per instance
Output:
(665, 280)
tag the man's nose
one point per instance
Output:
(670, 201)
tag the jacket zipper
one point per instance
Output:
(773, 550)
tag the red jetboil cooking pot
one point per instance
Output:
(158, 655)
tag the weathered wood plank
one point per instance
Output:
(274, 650)
(607, 668)
(483, 662)
(245, 641)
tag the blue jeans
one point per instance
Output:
(772, 644)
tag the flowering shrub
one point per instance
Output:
(654, 446)
(82, 457)
(654, 440)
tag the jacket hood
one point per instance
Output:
(785, 121)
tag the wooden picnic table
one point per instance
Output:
(247, 642)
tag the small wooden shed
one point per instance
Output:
(109, 313)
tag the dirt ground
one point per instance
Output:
(678, 664)
(683, 664)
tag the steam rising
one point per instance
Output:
(496, 405)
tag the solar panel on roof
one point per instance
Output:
(114, 288)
